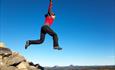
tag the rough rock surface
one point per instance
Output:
(14, 61)
(5, 51)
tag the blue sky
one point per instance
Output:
(85, 29)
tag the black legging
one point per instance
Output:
(46, 29)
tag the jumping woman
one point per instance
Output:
(45, 29)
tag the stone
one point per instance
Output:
(13, 59)
(33, 68)
(23, 65)
(8, 68)
(5, 51)
(1, 63)
(1, 58)
(12, 68)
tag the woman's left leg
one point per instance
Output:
(39, 41)
(55, 38)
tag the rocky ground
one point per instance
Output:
(14, 61)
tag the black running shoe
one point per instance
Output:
(27, 44)
(57, 48)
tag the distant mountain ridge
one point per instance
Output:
(108, 67)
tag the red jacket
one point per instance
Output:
(49, 20)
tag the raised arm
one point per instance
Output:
(50, 7)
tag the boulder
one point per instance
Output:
(8, 68)
(13, 59)
(33, 68)
(23, 65)
(5, 51)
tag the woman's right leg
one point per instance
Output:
(39, 41)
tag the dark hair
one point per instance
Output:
(48, 14)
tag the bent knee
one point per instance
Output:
(41, 41)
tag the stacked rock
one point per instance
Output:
(14, 61)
